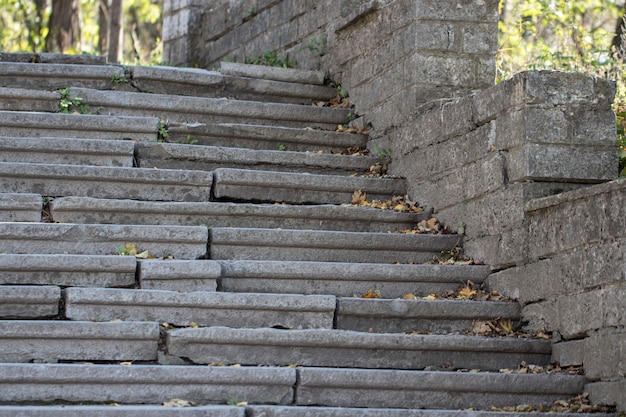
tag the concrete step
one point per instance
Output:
(53, 341)
(210, 110)
(219, 214)
(297, 188)
(347, 349)
(55, 180)
(271, 385)
(202, 308)
(182, 242)
(345, 279)
(67, 151)
(236, 135)
(209, 158)
(29, 302)
(68, 270)
(409, 316)
(85, 126)
(264, 72)
(325, 246)
(52, 58)
(181, 276)
(123, 411)
(54, 76)
(15, 207)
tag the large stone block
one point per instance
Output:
(570, 353)
(17, 207)
(182, 276)
(605, 354)
(20, 99)
(29, 302)
(610, 392)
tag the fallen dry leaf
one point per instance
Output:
(177, 402)
(371, 293)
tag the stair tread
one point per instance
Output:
(272, 73)
(20, 207)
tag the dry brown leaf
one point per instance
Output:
(371, 293)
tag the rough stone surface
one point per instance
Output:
(325, 246)
(57, 76)
(20, 207)
(20, 99)
(569, 353)
(609, 392)
(120, 411)
(272, 73)
(301, 411)
(68, 270)
(29, 302)
(183, 276)
(202, 308)
(604, 353)
(52, 57)
(115, 383)
(51, 341)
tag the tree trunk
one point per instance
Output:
(103, 27)
(116, 31)
(619, 40)
(64, 26)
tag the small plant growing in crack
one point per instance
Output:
(162, 133)
(71, 105)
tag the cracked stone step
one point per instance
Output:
(345, 279)
(105, 182)
(119, 384)
(29, 302)
(210, 110)
(209, 158)
(202, 308)
(437, 316)
(220, 214)
(235, 135)
(292, 75)
(183, 276)
(423, 389)
(120, 411)
(325, 246)
(52, 341)
(68, 270)
(347, 349)
(17, 207)
(182, 242)
(298, 188)
(84, 126)
(67, 151)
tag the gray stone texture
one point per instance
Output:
(272, 73)
(68, 270)
(605, 354)
(16, 207)
(346, 349)
(569, 353)
(20, 99)
(116, 383)
(29, 302)
(182, 276)
(120, 411)
(52, 341)
(609, 392)
(182, 242)
(298, 188)
(52, 58)
(344, 279)
(325, 246)
(399, 315)
(202, 308)
(106, 182)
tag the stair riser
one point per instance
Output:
(16, 207)
(29, 302)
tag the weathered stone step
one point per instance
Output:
(219, 214)
(325, 246)
(211, 110)
(209, 158)
(348, 349)
(119, 384)
(84, 126)
(52, 58)
(15, 207)
(182, 276)
(252, 136)
(345, 279)
(67, 151)
(202, 308)
(29, 302)
(264, 72)
(53, 341)
(57, 180)
(68, 270)
(124, 411)
(182, 242)
(436, 316)
(56, 76)
(297, 188)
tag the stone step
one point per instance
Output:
(67, 151)
(55, 180)
(345, 279)
(29, 302)
(52, 58)
(124, 411)
(347, 349)
(68, 270)
(202, 308)
(22, 383)
(264, 72)
(209, 158)
(182, 242)
(181, 276)
(15, 207)
(22, 99)
(220, 214)
(212, 110)
(297, 188)
(118, 383)
(252, 136)
(84, 126)
(326, 246)
(54, 76)
(411, 316)
(53, 341)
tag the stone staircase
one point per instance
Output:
(248, 258)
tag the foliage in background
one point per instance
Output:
(566, 36)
